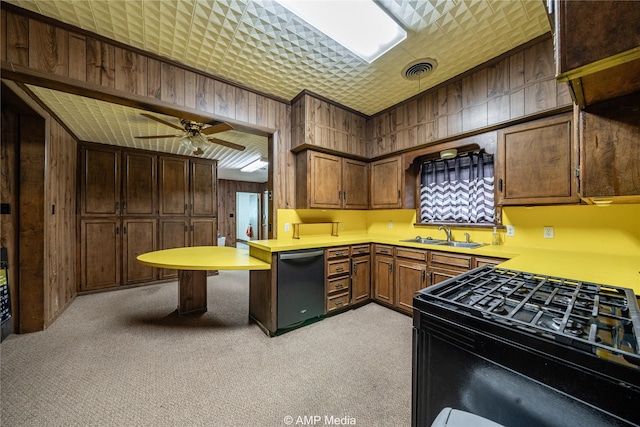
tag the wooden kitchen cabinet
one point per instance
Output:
(337, 279)
(100, 181)
(330, 182)
(203, 182)
(360, 273)
(386, 183)
(610, 150)
(139, 235)
(536, 163)
(100, 253)
(480, 261)
(139, 184)
(383, 278)
(445, 265)
(174, 233)
(203, 232)
(410, 276)
(174, 186)
(597, 48)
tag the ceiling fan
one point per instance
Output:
(194, 134)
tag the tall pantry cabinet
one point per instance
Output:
(132, 202)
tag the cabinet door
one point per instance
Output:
(536, 163)
(386, 183)
(139, 184)
(100, 254)
(100, 181)
(174, 233)
(355, 184)
(326, 181)
(383, 279)
(174, 186)
(440, 275)
(204, 232)
(360, 278)
(610, 149)
(410, 277)
(138, 237)
(203, 188)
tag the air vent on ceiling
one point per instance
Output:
(419, 69)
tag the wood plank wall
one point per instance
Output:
(227, 205)
(519, 84)
(60, 218)
(39, 182)
(33, 48)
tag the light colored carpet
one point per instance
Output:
(125, 358)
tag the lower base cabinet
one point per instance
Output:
(411, 276)
(360, 273)
(383, 279)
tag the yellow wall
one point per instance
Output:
(614, 229)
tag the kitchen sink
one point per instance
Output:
(469, 245)
(425, 240)
(430, 241)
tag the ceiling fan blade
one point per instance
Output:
(227, 144)
(216, 127)
(164, 122)
(157, 136)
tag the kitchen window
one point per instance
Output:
(458, 190)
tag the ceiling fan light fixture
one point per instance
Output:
(255, 165)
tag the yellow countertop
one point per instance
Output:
(602, 268)
(203, 258)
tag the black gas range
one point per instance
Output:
(523, 349)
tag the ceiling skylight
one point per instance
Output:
(359, 25)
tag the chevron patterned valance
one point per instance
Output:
(458, 189)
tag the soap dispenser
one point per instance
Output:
(496, 237)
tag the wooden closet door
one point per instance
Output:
(100, 181)
(326, 181)
(174, 186)
(140, 184)
(355, 182)
(174, 233)
(100, 253)
(203, 188)
(139, 235)
(204, 232)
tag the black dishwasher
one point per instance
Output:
(300, 287)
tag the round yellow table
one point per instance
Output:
(192, 264)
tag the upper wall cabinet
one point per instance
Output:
(100, 181)
(330, 182)
(597, 48)
(324, 124)
(537, 163)
(386, 183)
(610, 151)
(139, 184)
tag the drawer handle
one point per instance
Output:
(339, 302)
(361, 250)
(339, 285)
(339, 253)
(339, 268)
(384, 251)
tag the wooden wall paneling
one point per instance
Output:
(540, 96)
(3, 39)
(48, 48)
(17, 39)
(32, 223)
(516, 104)
(205, 93)
(77, 56)
(154, 78)
(9, 188)
(60, 234)
(252, 105)
(498, 109)
(224, 99)
(172, 84)
(101, 63)
(190, 89)
(498, 79)
(241, 97)
(516, 70)
(130, 72)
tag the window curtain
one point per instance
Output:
(458, 189)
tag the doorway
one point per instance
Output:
(248, 223)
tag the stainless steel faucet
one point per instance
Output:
(447, 230)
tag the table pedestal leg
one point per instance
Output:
(192, 291)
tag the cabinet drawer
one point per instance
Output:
(360, 250)
(482, 261)
(336, 302)
(338, 267)
(339, 252)
(417, 254)
(384, 249)
(338, 285)
(457, 261)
